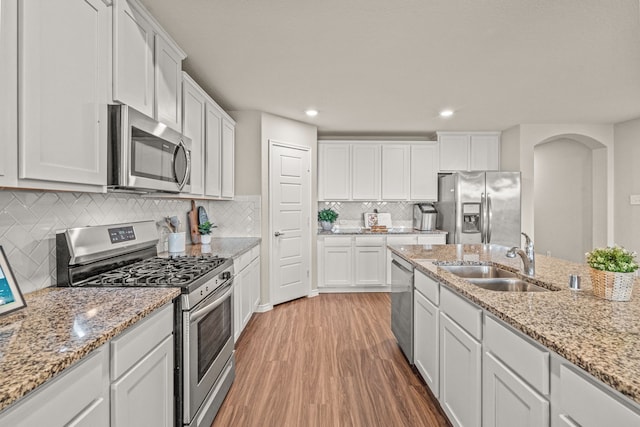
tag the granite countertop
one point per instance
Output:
(225, 247)
(599, 336)
(60, 326)
(361, 230)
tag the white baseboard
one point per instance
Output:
(313, 293)
(263, 308)
(346, 289)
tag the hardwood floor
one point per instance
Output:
(325, 361)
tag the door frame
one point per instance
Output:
(272, 259)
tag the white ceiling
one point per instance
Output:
(388, 66)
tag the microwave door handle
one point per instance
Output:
(187, 172)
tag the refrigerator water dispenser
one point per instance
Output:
(471, 217)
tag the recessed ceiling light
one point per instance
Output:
(446, 113)
(311, 113)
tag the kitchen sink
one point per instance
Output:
(507, 285)
(478, 271)
(492, 278)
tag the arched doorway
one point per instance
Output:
(569, 196)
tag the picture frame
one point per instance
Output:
(11, 298)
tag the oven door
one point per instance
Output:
(207, 346)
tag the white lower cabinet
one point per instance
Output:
(246, 288)
(126, 382)
(460, 374)
(337, 264)
(369, 253)
(426, 331)
(509, 401)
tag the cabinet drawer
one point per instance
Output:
(427, 286)
(370, 241)
(129, 348)
(402, 240)
(432, 239)
(591, 405)
(465, 314)
(526, 359)
(337, 241)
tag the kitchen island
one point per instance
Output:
(596, 335)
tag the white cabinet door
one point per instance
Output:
(337, 265)
(238, 289)
(454, 152)
(369, 262)
(424, 171)
(133, 72)
(395, 172)
(484, 152)
(9, 91)
(144, 394)
(63, 91)
(193, 127)
(509, 401)
(227, 158)
(168, 84)
(248, 290)
(334, 168)
(255, 283)
(426, 341)
(79, 396)
(460, 374)
(213, 151)
(365, 171)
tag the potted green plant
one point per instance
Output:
(205, 232)
(612, 272)
(327, 217)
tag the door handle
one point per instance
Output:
(278, 234)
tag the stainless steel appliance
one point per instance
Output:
(125, 255)
(146, 155)
(402, 305)
(480, 207)
(424, 217)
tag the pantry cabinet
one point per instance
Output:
(63, 96)
(147, 64)
(469, 151)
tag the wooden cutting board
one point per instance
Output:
(193, 223)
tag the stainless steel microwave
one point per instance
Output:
(146, 155)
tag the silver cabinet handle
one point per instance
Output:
(278, 234)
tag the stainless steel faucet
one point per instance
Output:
(528, 256)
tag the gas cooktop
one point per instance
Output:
(178, 271)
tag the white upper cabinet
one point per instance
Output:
(365, 171)
(193, 127)
(213, 151)
(377, 170)
(63, 82)
(9, 91)
(147, 64)
(227, 157)
(395, 172)
(334, 172)
(168, 81)
(424, 171)
(469, 151)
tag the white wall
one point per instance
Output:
(627, 178)
(563, 199)
(510, 150)
(248, 158)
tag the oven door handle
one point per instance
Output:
(203, 311)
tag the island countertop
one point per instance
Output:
(599, 336)
(60, 326)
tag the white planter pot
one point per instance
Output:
(326, 225)
(205, 239)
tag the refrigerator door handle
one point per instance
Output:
(489, 217)
(483, 218)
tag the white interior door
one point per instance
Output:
(290, 231)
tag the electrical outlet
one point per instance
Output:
(634, 199)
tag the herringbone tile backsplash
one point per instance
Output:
(29, 221)
(351, 213)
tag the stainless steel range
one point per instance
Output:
(125, 255)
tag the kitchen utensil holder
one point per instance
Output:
(177, 242)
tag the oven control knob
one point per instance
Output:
(226, 275)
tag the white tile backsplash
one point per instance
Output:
(350, 214)
(29, 221)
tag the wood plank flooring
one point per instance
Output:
(326, 361)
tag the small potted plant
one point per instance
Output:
(327, 217)
(205, 232)
(612, 272)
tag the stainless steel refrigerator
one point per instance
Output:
(480, 207)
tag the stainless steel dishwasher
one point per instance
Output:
(402, 305)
